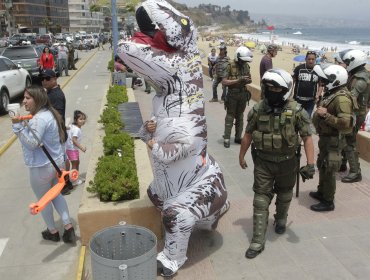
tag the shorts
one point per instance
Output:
(73, 155)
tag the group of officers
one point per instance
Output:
(278, 124)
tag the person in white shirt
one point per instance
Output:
(212, 57)
(73, 143)
(63, 59)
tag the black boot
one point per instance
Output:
(352, 178)
(323, 206)
(280, 229)
(316, 195)
(238, 141)
(252, 253)
(343, 167)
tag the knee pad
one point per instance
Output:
(261, 201)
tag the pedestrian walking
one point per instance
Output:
(219, 69)
(236, 78)
(274, 125)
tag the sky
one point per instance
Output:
(359, 9)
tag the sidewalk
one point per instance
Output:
(6, 133)
(332, 245)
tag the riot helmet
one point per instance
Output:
(333, 76)
(353, 58)
(278, 85)
(243, 54)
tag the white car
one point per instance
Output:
(13, 81)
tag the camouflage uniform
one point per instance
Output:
(275, 140)
(236, 99)
(332, 129)
(219, 70)
(71, 58)
(358, 86)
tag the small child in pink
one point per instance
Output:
(73, 144)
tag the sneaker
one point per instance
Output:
(65, 190)
(47, 235)
(68, 185)
(213, 100)
(167, 267)
(78, 182)
(69, 235)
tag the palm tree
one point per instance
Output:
(46, 22)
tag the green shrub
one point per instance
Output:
(116, 176)
(117, 95)
(115, 179)
(111, 65)
(118, 142)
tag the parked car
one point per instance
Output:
(13, 80)
(46, 39)
(17, 39)
(26, 56)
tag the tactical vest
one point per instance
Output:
(236, 72)
(363, 98)
(324, 129)
(276, 138)
(221, 65)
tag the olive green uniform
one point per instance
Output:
(275, 142)
(71, 57)
(332, 130)
(236, 99)
(358, 86)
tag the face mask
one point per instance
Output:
(274, 99)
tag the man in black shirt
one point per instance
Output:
(58, 101)
(55, 93)
(306, 83)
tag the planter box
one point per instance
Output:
(94, 215)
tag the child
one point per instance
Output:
(73, 143)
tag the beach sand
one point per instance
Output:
(284, 59)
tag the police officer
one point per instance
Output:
(274, 124)
(71, 56)
(219, 69)
(236, 77)
(357, 84)
(333, 120)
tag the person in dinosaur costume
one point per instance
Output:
(188, 186)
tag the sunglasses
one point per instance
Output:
(311, 52)
(45, 78)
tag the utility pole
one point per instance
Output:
(114, 26)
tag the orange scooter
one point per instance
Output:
(35, 208)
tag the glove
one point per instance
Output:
(307, 172)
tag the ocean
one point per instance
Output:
(317, 38)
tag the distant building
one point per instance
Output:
(81, 18)
(38, 16)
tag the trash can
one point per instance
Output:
(119, 78)
(124, 252)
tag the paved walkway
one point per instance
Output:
(334, 245)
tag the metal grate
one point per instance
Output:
(131, 117)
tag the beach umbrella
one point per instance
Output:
(250, 44)
(300, 58)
